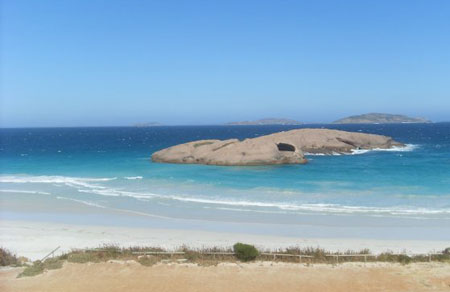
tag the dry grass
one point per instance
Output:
(7, 258)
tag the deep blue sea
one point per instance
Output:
(110, 168)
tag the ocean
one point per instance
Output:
(105, 176)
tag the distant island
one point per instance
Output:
(267, 121)
(145, 125)
(378, 118)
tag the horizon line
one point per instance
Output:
(207, 125)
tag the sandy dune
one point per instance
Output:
(131, 276)
(36, 239)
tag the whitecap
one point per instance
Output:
(133, 177)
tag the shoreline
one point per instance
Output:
(36, 239)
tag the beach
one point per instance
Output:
(224, 146)
(34, 240)
(258, 276)
(83, 188)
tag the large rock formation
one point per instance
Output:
(279, 148)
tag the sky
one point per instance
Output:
(114, 63)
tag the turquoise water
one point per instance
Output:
(110, 169)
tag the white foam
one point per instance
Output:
(70, 181)
(323, 208)
(322, 154)
(133, 177)
(25, 192)
(99, 192)
(86, 185)
(406, 148)
(359, 151)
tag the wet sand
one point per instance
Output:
(267, 276)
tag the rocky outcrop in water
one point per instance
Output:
(377, 118)
(279, 148)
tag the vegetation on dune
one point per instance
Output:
(38, 267)
(245, 252)
(102, 254)
(389, 257)
(149, 256)
(7, 258)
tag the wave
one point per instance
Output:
(69, 181)
(133, 177)
(92, 186)
(323, 208)
(25, 192)
(406, 148)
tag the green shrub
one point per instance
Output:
(245, 252)
(36, 269)
(404, 259)
(147, 261)
(53, 264)
(7, 258)
(39, 267)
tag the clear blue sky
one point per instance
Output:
(80, 63)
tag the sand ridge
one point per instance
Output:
(259, 276)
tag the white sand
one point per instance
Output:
(35, 239)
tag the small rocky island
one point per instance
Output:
(280, 148)
(377, 118)
(266, 122)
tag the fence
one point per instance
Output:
(274, 256)
(365, 256)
